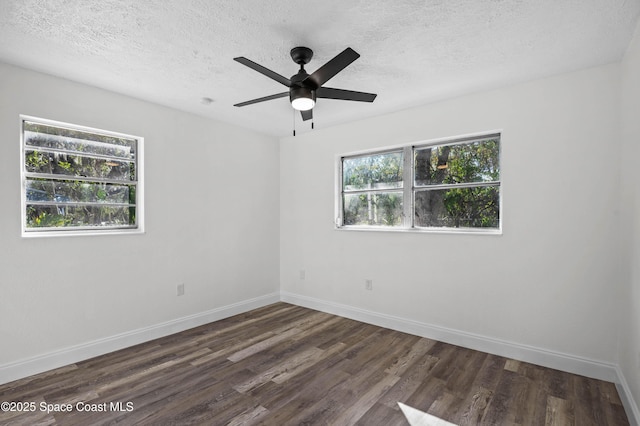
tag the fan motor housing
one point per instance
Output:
(301, 92)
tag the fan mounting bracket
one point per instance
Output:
(301, 55)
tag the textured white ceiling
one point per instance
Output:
(176, 52)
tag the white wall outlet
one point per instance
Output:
(368, 284)
(180, 289)
(303, 274)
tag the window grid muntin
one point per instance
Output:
(456, 185)
(70, 178)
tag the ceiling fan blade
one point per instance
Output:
(307, 115)
(265, 98)
(264, 71)
(333, 67)
(345, 95)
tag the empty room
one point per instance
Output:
(333, 213)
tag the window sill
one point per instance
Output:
(459, 231)
(80, 233)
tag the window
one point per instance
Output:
(78, 180)
(372, 189)
(453, 185)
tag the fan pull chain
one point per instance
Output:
(294, 122)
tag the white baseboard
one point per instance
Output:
(38, 364)
(559, 361)
(630, 406)
(546, 358)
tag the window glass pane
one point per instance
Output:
(378, 171)
(74, 165)
(476, 207)
(53, 142)
(462, 163)
(78, 191)
(60, 138)
(373, 209)
(61, 216)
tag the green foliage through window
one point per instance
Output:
(452, 185)
(367, 181)
(76, 179)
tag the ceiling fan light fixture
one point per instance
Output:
(304, 88)
(302, 98)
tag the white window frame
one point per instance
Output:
(138, 228)
(409, 188)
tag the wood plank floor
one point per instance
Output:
(288, 365)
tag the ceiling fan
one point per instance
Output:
(305, 88)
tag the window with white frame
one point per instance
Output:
(372, 188)
(79, 180)
(452, 185)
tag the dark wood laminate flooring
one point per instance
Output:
(288, 365)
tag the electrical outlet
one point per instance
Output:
(638, 360)
(368, 284)
(180, 289)
(302, 274)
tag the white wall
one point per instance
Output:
(204, 228)
(551, 281)
(630, 326)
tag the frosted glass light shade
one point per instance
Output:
(303, 104)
